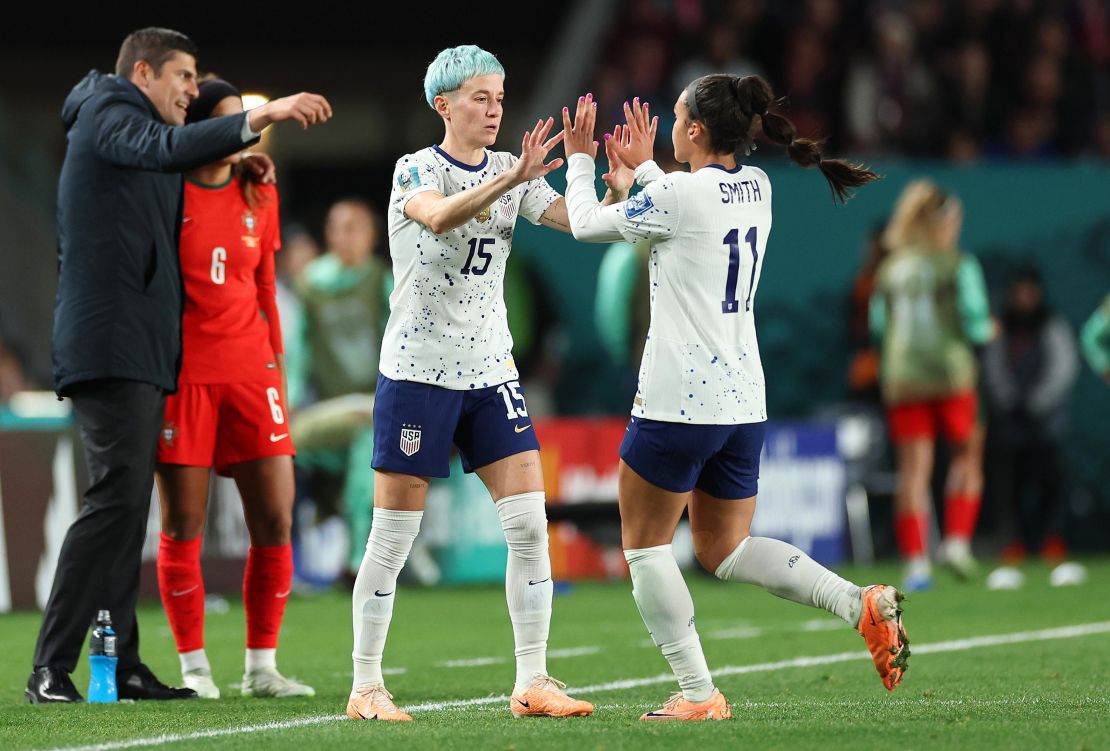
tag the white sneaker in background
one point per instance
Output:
(267, 682)
(1006, 578)
(1068, 574)
(956, 555)
(200, 680)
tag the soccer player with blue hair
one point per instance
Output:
(447, 374)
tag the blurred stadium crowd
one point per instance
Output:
(1001, 79)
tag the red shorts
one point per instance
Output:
(954, 415)
(220, 424)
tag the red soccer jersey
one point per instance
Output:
(227, 260)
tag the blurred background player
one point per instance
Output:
(298, 249)
(863, 368)
(448, 375)
(229, 413)
(337, 341)
(929, 311)
(696, 434)
(1028, 373)
(1095, 339)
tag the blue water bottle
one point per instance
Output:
(102, 661)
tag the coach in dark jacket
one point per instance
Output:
(117, 325)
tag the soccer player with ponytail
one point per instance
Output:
(698, 419)
(228, 413)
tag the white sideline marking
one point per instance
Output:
(822, 624)
(954, 645)
(483, 661)
(471, 663)
(742, 632)
(574, 652)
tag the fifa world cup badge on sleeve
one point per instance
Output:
(410, 439)
(408, 179)
(637, 204)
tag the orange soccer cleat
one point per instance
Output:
(371, 701)
(545, 698)
(679, 708)
(880, 625)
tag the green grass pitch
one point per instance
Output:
(450, 648)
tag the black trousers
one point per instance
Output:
(1028, 483)
(98, 567)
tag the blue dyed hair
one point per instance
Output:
(454, 66)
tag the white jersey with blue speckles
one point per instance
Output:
(447, 323)
(709, 232)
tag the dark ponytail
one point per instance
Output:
(728, 105)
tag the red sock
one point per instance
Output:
(182, 588)
(266, 584)
(912, 532)
(960, 514)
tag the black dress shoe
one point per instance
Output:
(140, 684)
(48, 684)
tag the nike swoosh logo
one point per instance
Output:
(276, 438)
(519, 429)
(282, 594)
(521, 702)
(183, 592)
(186, 219)
(541, 581)
(382, 594)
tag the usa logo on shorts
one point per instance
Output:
(410, 439)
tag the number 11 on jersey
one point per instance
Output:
(730, 304)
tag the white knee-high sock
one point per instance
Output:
(527, 581)
(387, 549)
(786, 571)
(668, 612)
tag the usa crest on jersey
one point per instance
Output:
(410, 439)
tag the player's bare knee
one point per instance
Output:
(274, 529)
(183, 527)
(709, 559)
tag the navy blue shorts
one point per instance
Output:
(722, 460)
(415, 425)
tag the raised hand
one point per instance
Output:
(534, 148)
(306, 109)
(619, 177)
(640, 128)
(578, 137)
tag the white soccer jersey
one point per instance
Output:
(708, 232)
(447, 324)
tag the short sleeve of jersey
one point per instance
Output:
(414, 174)
(538, 196)
(653, 213)
(271, 239)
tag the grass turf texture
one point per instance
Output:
(1044, 694)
